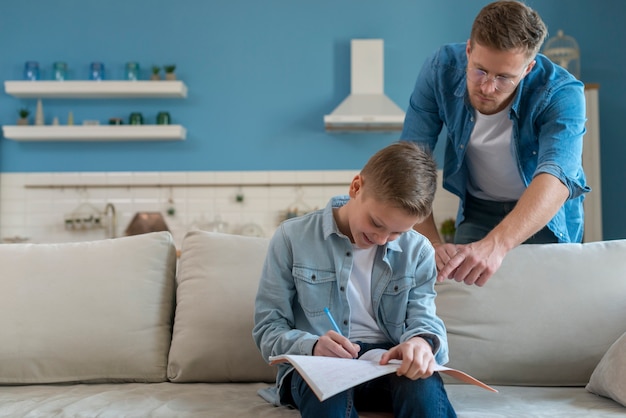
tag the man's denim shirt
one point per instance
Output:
(548, 114)
(307, 268)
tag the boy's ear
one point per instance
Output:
(356, 185)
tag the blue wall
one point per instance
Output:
(261, 75)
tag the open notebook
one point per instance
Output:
(328, 376)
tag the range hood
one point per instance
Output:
(366, 108)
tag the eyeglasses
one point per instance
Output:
(500, 82)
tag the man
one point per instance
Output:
(513, 151)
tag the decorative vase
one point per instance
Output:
(170, 76)
(39, 119)
(22, 121)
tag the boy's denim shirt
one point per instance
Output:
(548, 114)
(308, 267)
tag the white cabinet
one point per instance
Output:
(591, 165)
(95, 90)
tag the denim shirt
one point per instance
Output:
(548, 115)
(307, 268)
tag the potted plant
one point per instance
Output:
(23, 120)
(169, 72)
(156, 70)
(447, 230)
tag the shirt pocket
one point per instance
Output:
(394, 302)
(314, 288)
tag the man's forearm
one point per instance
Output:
(540, 202)
(428, 228)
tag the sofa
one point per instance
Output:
(125, 328)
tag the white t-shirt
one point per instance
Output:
(363, 327)
(490, 154)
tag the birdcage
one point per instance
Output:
(563, 50)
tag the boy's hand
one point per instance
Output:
(333, 344)
(417, 358)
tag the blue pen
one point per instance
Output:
(332, 321)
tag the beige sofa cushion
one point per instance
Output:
(609, 377)
(217, 283)
(546, 317)
(87, 312)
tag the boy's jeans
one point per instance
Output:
(398, 394)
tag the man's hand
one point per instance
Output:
(417, 358)
(473, 263)
(333, 344)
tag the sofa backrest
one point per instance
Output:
(546, 317)
(97, 311)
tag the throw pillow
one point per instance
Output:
(609, 377)
(96, 311)
(217, 281)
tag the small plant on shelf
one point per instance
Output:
(156, 73)
(23, 120)
(448, 229)
(169, 72)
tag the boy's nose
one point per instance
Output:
(381, 239)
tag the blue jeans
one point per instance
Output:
(404, 397)
(481, 216)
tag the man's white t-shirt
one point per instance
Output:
(490, 155)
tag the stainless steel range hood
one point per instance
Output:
(366, 108)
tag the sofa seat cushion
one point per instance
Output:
(524, 402)
(240, 400)
(545, 318)
(98, 311)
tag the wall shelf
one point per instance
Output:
(95, 133)
(105, 89)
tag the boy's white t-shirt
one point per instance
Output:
(363, 327)
(494, 174)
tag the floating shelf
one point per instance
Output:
(95, 133)
(105, 89)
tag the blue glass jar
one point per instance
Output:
(59, 71)
(96, 71)
(31, 70)
(132, 71)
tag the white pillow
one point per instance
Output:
(609, 377)
(217, 283)
(96, 311)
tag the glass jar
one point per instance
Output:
(59, 71)
(96, 71)
(132, 71)
(135, 118)
(31, 70)
(163, 118)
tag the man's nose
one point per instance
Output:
(488, 86)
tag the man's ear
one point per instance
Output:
(468, 48)
(529, 67)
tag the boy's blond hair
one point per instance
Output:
(403, 175)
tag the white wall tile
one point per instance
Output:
(38, 213)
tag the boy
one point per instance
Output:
(360, 258)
